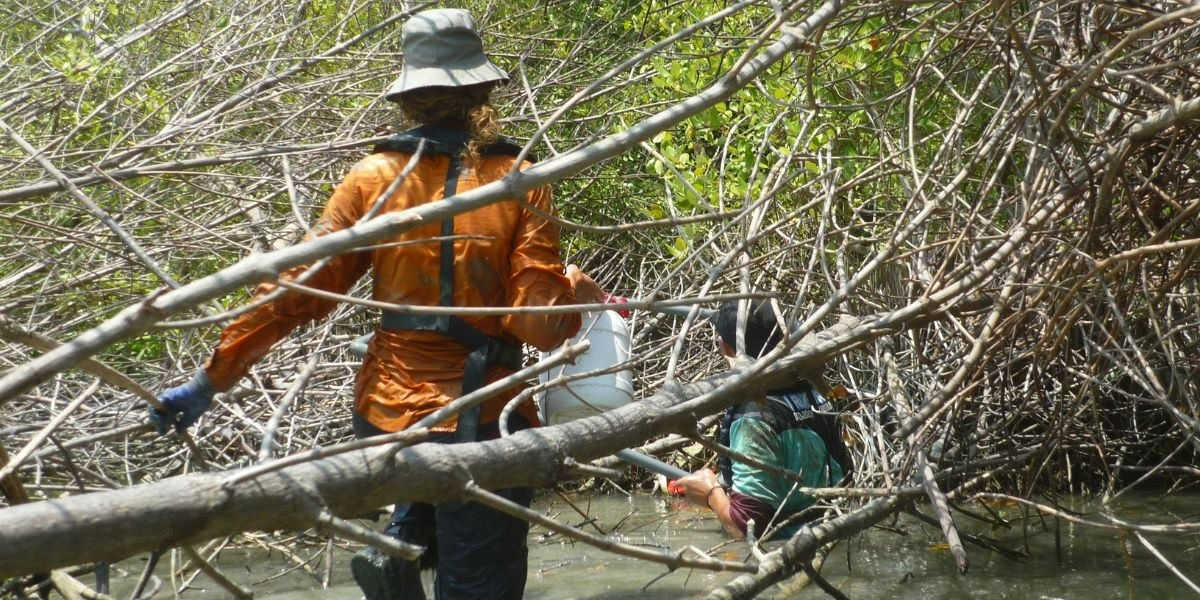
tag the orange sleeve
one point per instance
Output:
(538, 279)
(249, 337)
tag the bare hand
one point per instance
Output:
(587, 291)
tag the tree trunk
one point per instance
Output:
(192, 508)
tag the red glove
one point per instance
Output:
(614, 299)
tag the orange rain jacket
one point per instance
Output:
(505, 255)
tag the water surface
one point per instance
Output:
(905, 559)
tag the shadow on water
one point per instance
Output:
(906, 561)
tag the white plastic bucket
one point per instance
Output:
(609, 338)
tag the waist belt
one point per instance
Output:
(485, 350)
(499, 352)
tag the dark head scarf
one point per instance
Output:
(762, 328)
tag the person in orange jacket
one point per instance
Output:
(503, 254)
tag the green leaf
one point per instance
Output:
(679, 248)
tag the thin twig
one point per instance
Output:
(199, 562)
(671, 560)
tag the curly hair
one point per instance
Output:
(467, 107)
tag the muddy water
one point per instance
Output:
(903, 560)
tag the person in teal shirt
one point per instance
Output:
(790, 430)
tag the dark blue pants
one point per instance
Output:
(478, 552)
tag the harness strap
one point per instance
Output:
(484, 350)
(446, 269)
(476, 366)
(785, 415)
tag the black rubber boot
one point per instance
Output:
(381, 577)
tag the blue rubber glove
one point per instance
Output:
(183, 404)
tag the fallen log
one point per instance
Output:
(188, 509)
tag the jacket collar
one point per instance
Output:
(446, 141)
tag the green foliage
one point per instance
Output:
(822, 108)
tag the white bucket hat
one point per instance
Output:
(442, 48)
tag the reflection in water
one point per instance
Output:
(904, 560)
